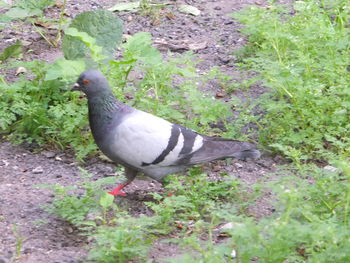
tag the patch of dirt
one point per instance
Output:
(45, 238)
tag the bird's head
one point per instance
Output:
(91, 82)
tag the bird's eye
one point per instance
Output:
(86, 81)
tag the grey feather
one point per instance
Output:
(219, 148)
(145, 143)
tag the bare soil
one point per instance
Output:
(46, 238)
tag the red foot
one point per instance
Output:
(117, 191)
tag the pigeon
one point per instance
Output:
(145, 143)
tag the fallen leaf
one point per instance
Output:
(198, 46)
(128, 6)
(58, 3)
(20, 70)
(128, 96)
(26, 43)
(224, 235)
(219, 95)
(46, 24)
(156, 22)
(13, 51)
(170, 16)
(189, 9)
(216, 168)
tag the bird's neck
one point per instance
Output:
(101, 111)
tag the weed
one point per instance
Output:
(84, 204)
(32, 11)
(19, 241)
(304, 60)
(126, 240)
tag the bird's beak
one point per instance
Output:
(76, 86)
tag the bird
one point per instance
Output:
(145, 143)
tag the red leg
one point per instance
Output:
(116, 191)
(130, 175)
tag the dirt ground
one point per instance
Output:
(44, 237)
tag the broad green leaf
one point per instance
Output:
(189, 9)
(128, 6)
(19, 13)
(106, 200)
(13, 51)
(90, 42)
(65, 69)
(139, 47)
(101, 25)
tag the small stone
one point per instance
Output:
(129, 18)
(219, 95)
(49, 154)
(228, 22)
(217, 8)
(238, 165)
(27, 250)
(38, 170)
(330, 168)
(224, 59)
(228, 225)
(4, 163)
(216, 168)
(20, 70)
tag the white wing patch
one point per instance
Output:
(198, 143)
(141, 138)
(173, 155)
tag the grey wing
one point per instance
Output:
(219, 148)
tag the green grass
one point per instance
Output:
(303, 58)
(190, 207)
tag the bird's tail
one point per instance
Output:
(252, 153)
(219, 148)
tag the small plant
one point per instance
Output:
(19, 241)
(75, 203)
(127, 240)
(303, 59)
(32, 11)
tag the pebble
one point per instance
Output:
(238, 165)
(4, 163)
(38, 170)
(330, 168)
(233, 253)
(227, 226)
(49, 154)
(27, 250)
(70, 230)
